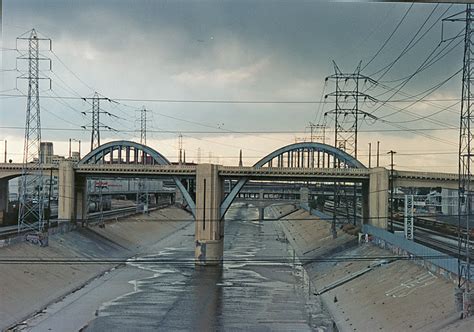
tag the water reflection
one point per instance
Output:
(206, 303)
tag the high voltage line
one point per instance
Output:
(224, 101)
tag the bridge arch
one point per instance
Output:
(128, 152)
(309, 154)
(124, 152)
(298, 155)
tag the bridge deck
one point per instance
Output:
(356, 174)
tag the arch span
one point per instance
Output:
(124, 152)
(128, 152)
(298, 155)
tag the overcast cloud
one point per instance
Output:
(240, 50)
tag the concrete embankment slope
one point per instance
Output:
(374, 294)
(28, 287)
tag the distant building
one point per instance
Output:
(46, 152)
(55, 159)
(75, 157)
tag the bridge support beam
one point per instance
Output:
(378, 197)
(4, 195)
(66, 199)
(209, 234)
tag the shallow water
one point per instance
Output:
(259, 287)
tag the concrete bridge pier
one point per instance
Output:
(4, 195)
(66, 189)
(209, 234)
(378, 197)
(304, 195)
(365, 203)
(80, 193)
(261, 213)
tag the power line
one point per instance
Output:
(389, 37)
(412, 43)
(296, 131)
(223, 101)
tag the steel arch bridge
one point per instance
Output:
(128, 152)
(298, 155)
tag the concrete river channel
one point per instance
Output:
(260, 287)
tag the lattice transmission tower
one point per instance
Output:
(466, 158)
(314, 135)
(347, 114)
(347, 111)
(32, 186)
(96, 125)
(142, 190)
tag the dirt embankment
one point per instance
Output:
(365, 291)
(28, 287)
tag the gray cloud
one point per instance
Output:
(218, 50)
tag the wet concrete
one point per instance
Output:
(259, 288)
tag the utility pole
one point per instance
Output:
(180, 148)
(370, 155)
(5, 153)
(96, 124)
(70, 148)
(465, 162)
(391, 152)
(347, 111)
(31, 208)
(378, 153)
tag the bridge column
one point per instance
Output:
(81, 207)
(66, 199)
(304, 195)
(209, 233)
(4, 195)
(378, 197)
(365, 202)
(261, 213)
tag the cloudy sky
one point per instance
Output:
(141, 53)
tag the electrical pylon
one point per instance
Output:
(142, 189)
(32, 191)
(466, 158)
(143, 112)
(347, 112)
(314, 136)
(96, 124)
